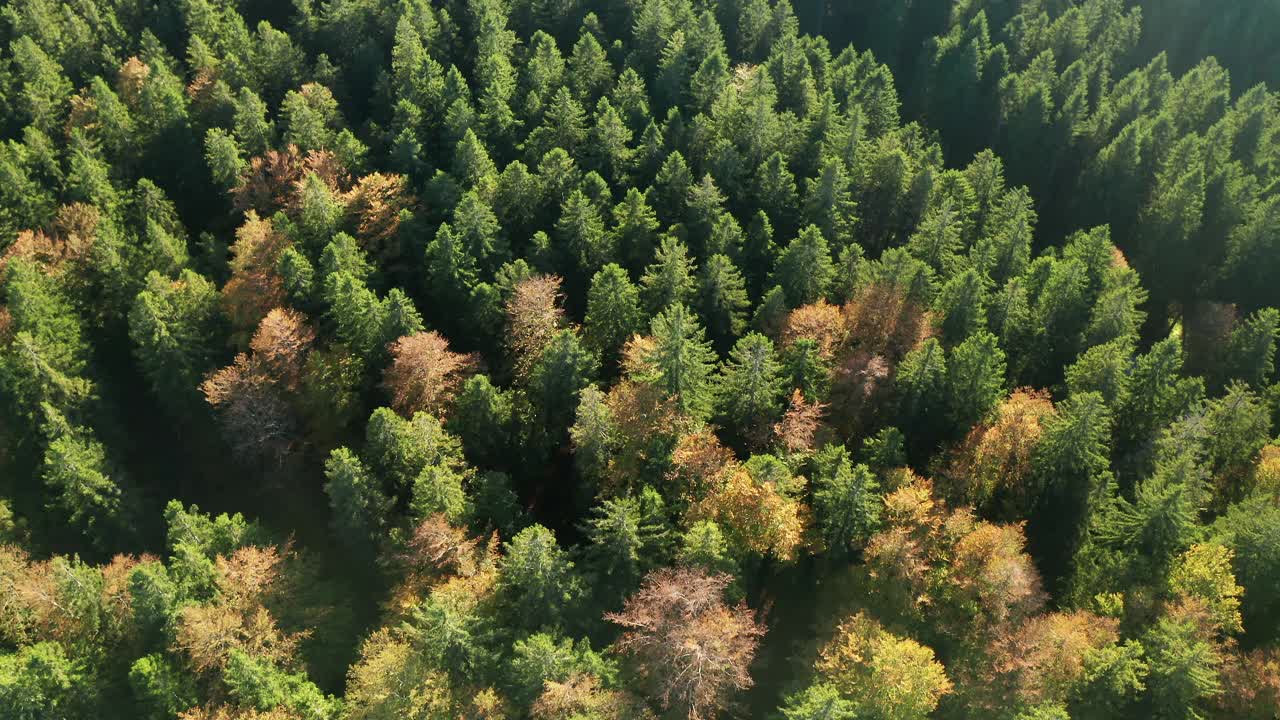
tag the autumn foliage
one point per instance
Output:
(691, 649)
(424, 374)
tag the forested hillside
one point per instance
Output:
(626, 359)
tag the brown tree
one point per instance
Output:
(68, 242)
(269, 181)
(533, 315)
(238, 618)
(1042, 660)
(990, 469)
(375, 204)
(689, 647)
(800, 425)
(281, 344)
(253, 395)
(424, 374)
(435, 551)
(130, 79)
(255, 288)
(256, 418)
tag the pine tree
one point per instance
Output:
(975, 379)
(629, 537)
(805, 269)
(962, 304)
(537, 584)
(829, 205)
(669, 280)
(359, 507)
(613, 315)
(175, 327)
(580, 231)
(634, 229)
(750, 388)
(722, 300)
(776, 193)
(563, 369)
(681, 360)
(846, 504)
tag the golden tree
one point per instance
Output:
(885, 675)
(1042, 660)
(993, 464)
(821, 322)
(376, 204)
(255, 288)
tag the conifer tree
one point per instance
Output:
(680, 360)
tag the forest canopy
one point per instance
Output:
(629, 359)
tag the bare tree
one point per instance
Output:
(534, 315)
(691, 648)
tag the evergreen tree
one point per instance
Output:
(722, 300)
(358, 504)
(669, 279)
(537, 584)
(175, 327)
(613, 314)
(805, 269)
(749, 393)
(680, 361)
(975, 379)
(845, 502)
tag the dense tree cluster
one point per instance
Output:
(591, 359)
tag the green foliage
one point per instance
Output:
(161, 689)
(680, 361)
(845, 502)
(749, 392)
(177, 333)
(358, 505)
(805, 269)
(40, 681)
(537, 583)
(682, 177)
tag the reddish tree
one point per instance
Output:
(252, 395)
(270, 181)
(881, 320)
(800, 425)
(281, 344)
(437, 549)
(690, 648)
(256, 419)
(424, 374)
